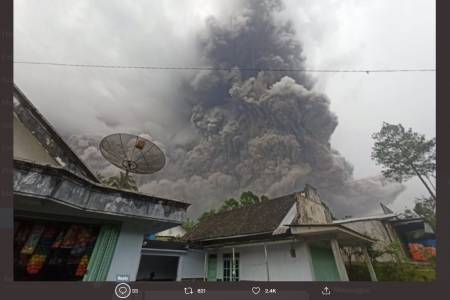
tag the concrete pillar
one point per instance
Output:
(266, 260)
(233, 265)
(339, 260)
(179, 267)
(372, 273)
(205, 267)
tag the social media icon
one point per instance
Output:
(122, 290)
(326, 291)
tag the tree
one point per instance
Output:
(121, 181)
(405, 154)
(248, 198)
(188, 225)
(230, 204)
(206, 215)
(426, 208)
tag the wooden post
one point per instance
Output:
(266, 260)
(373, 275)
(339, 260)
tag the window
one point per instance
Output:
(230, 272)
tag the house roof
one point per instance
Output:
(369, 218)
(47, 136)
(259, 218)
(58, 185)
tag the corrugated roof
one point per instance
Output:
(259, 218)
(368, 218)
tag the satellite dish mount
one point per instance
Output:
(132, 153)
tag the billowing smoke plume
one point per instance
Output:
(267, 132)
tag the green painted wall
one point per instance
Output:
(324, 265)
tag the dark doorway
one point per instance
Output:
(158, 268)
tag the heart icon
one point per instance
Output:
(256, 290)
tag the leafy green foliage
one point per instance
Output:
(350, 253)
(401, 269)
(230, 204)
(426, 208)
(120, 181)
(387, 271)
(188, 225)
(207, 214)
(404, 154)
(405, 272)
(246, 199)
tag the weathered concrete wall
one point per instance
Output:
(371, 228)
(310, 208)
(192, 264)
(282, 266)
(63, 187)
(375, 230)
(26, 146)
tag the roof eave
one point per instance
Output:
(64, 187)
(326, 231)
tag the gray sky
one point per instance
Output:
(340, 34)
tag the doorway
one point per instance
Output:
(212, 267)
(158, 268)
(323, 261)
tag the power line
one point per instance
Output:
(224, 68)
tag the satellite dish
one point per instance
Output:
(132, 153)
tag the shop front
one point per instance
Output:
(49, 250)
(68, 231)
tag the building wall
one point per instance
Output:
(310, 208)
(26, 146)
(282, 266)
(376, 230)
(127, 254)
(192, 265)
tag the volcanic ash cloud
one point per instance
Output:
(263, 131)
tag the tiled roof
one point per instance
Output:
(259, 218)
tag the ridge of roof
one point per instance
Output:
(72, 156)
